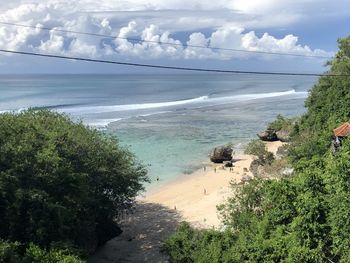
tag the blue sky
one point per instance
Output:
(298, 27)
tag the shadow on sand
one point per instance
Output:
(144, 230)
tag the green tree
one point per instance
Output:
(62, 184)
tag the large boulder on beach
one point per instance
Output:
(221, 154)
(283, 135)
(268, 135)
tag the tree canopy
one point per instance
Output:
(62, 184)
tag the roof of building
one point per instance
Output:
(343, 130)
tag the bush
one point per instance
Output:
(281, 123)
(257, 148)
(34, 254)
(62, 184)
(193, 245)
(10, 252)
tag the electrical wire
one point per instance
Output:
(168, 67)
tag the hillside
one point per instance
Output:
(302, 218)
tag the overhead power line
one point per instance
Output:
(168, 67)
(166, 43)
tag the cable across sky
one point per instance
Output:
(166, 43)
(168, 67)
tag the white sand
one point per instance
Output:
(196, 196)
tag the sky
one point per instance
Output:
(306, 27)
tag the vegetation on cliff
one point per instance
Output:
(304, 218)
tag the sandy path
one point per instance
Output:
(143, 234)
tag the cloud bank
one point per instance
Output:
(153, 21)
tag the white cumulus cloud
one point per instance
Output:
(154, 22)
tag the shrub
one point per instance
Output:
(281, 123)
(257, 148)
(34, 254)
(10, 252)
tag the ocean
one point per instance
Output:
(170, 122)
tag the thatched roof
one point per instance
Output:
(343, 130)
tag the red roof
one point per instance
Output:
(343, 130)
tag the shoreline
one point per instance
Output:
(195, 196)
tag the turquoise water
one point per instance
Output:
(170, 122)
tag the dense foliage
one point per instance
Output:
(305, 218)
(62, 184)
(11, 253)
(281, 123)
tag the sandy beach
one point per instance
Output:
(196, 196)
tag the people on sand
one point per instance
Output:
(157, 179)
(205, 191)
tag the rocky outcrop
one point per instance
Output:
(282, 152)
(287, 171)
(283, 135)
(269, 135)
(256, 168)
(221, 154)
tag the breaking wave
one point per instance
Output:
(206, 100)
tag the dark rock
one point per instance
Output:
(283, 136)
(269, 135)
(221, 154)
